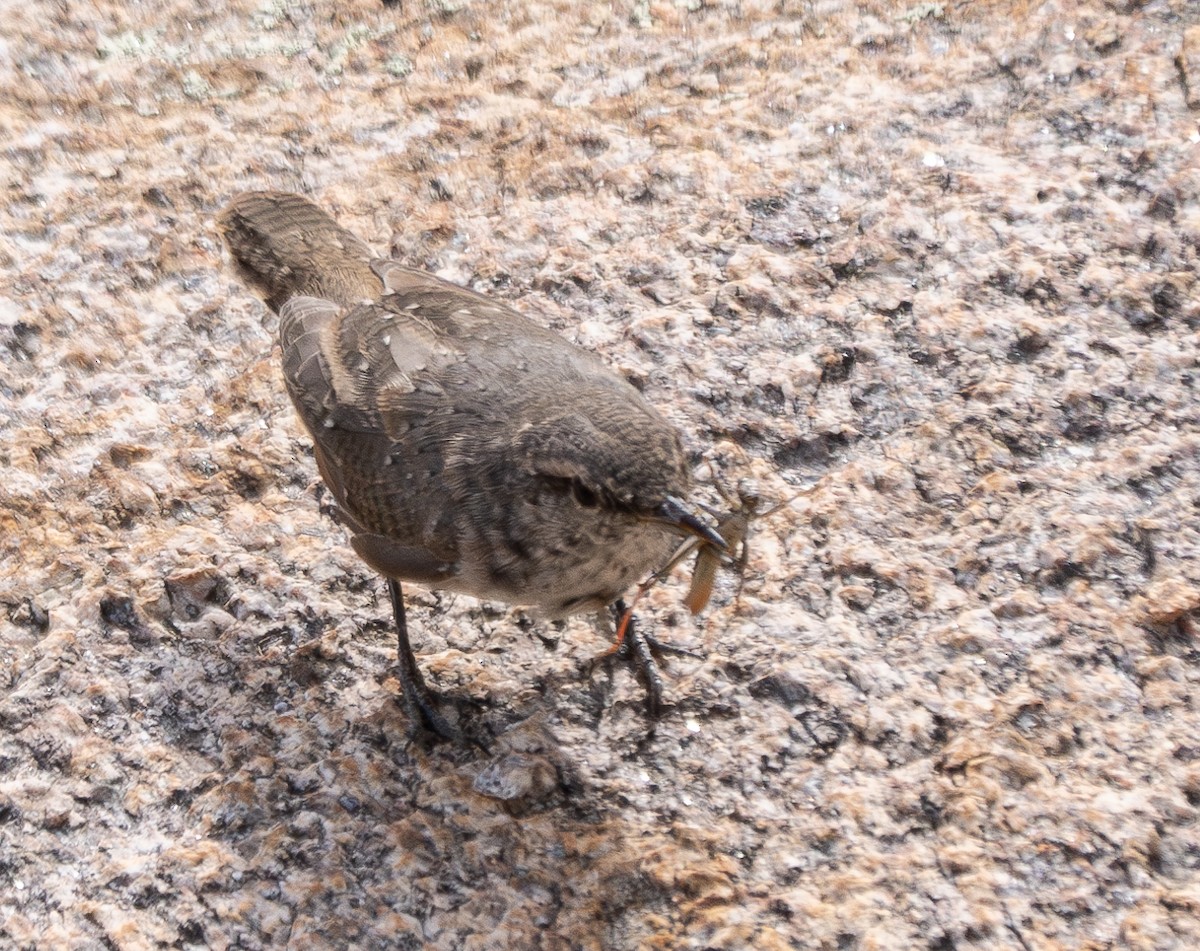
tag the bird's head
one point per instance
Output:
(621, 460)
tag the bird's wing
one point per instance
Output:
(355, 375)
(350, 368)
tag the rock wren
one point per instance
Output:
(467, 447)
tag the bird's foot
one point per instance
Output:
(421, 704)
(641, 651)
(424, 710)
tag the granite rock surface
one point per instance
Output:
(929, 270)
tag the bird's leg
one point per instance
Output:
(417, 698)
(641, 650)
(634, 645)
(625, 619)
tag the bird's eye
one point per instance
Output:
(583, 495)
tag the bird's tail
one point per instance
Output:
(284, 246)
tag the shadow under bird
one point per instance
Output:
(467, 447)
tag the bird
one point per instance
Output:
(467, 447)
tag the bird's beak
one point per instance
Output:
(675, 514)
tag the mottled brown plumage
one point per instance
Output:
(468, 448)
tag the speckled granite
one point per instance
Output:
(934, 262)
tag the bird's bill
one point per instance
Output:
(676, 515)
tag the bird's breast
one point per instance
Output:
(561, 569)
